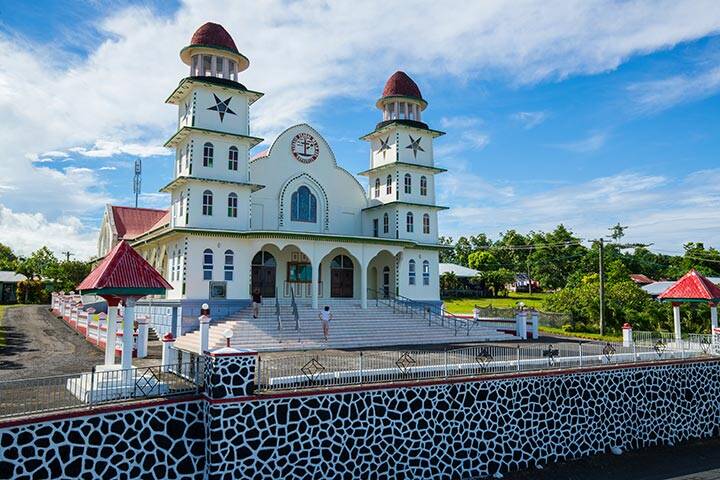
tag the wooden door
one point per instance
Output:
(263, 278)
(341, 283)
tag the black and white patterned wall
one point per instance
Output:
(461, 430)
(153, 442)
(464, 430)
(230, 376)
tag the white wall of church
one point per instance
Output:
(419, 290)
(421, 157)
(219, 167)
(220, 218)
(340, 198)
(204, 99)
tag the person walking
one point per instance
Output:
(256, 301)
(325, 316)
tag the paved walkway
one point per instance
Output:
(37, 344)
(698, 460)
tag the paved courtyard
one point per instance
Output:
(37, 344)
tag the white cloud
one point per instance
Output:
(107, 168)
(591, 143)
(303, 54)
(656, 95)
(154, 200)
(459, 122)
(660, 210)
(530, 119)
(68, 233)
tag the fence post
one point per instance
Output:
(580, 353)
(635, 358)
(92, 386)
(446, 363)
(361, 367)
(517, 356)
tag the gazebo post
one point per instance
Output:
(128, 330)
(111, 332)
(676, 321)
(713, 316)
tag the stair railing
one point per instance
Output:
(295, 313)
(277, 311)
(433, 315)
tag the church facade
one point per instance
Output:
(288, 221)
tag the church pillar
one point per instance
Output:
(314, 283)
(213, 66)
(363, 285)
(110, 333)
(713, 317)
(676, 321)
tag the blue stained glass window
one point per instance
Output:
(303, 206)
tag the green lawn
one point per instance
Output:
(465, 305)
(587, 336)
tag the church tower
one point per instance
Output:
(402, 170)
(210, 187)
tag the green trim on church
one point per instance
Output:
(400, 202)
(389, 124)
(188, 82)
(391, 165)
(181, 180)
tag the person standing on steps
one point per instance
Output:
(325, 316)
(256, 301)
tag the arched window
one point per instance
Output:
(423, 185)
(229, 265)
(303, 206)
(426, 272)
(263, 259)
(233, 158)
(207, 202)
(182, 205)
(409, 219)
(208, 152)
(426, 223)
(388, 184)
(408, 183)
(386, 223)
(341, 261)
(232, 205)
(207, 264)
(377, 187)
(411, 272)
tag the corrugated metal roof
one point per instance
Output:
(458, 270)
(692, 286)
(123, 267)
(131, 222)
(7, 276)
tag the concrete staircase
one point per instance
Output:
(351, 327)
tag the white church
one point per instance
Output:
(289, 221)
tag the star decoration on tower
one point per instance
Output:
(384, 145)
(415, 145)
(222, 107)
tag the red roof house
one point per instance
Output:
(641, 279)
(692, 287)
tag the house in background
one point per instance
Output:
(654, 289)
(641, 279)
(8, 286)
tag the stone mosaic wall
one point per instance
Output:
(466, 430)
(153, 442)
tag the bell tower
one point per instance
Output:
(402, 170)
(211, 187)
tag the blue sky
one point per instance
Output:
(590, 114)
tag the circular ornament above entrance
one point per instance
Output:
(304, 147)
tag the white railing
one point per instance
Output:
(692, 342)
(320, 369)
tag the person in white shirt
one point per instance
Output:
(325, 316)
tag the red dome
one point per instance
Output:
(399, 84)
(213, 35)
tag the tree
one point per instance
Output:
(512, 251)
(483, 261)
(463, 248)
(448, 281)
(7, 258)
(497, 279)
(447, 255)
(68, 274)
(555, 256)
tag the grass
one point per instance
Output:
(465, 305)
(586, 336)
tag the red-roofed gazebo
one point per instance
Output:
(123, 276)
(692, 288)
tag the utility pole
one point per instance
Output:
(137, 180)
(67, 255)
(602, 287)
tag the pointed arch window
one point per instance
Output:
(423, 185)
(207, 264)
(303, 206)
(388, 184)
(411, 272)
(207, 203)
(233, 158)
(386, 223)
(408, 183)
(232, 205)
(426, 223)
(426, 272)
(377, 187)
(208, 153)
(229, 265)
(409, 222)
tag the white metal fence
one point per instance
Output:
(320, 369)
(44, 394)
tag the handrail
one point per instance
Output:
(441, 317)
(277, 311)
(294, 309)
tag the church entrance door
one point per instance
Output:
(341, 277)
(263, 273)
